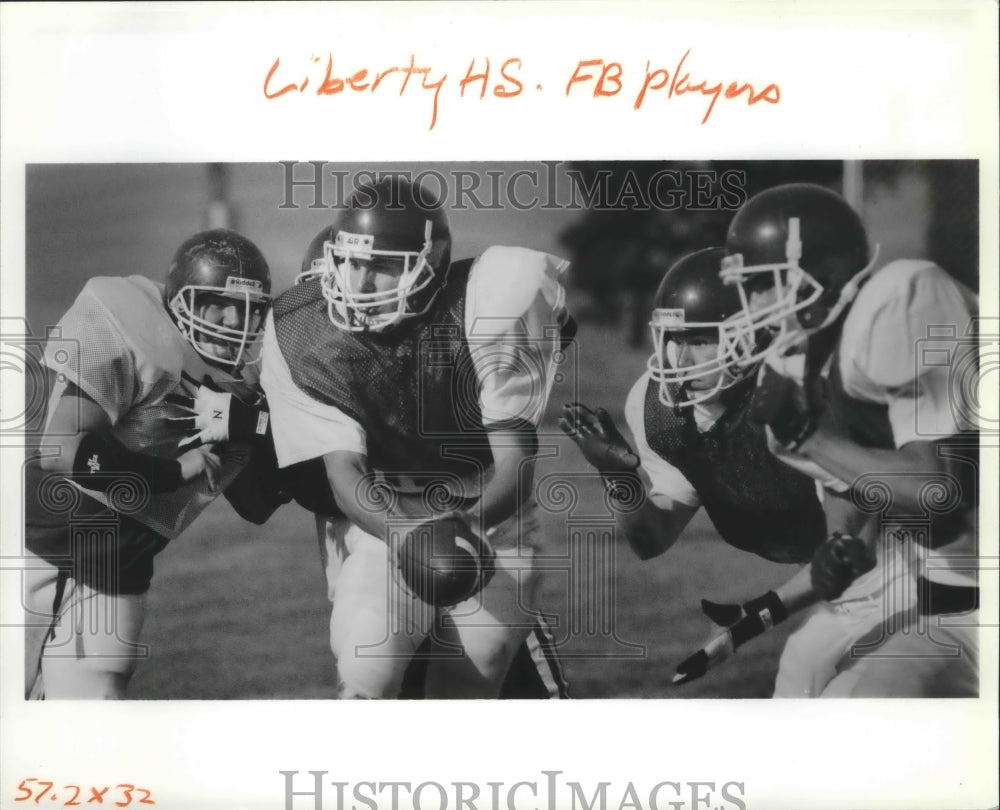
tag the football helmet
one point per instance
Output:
(212, 268)
(692, 301)
(808, 246)
(387, 222)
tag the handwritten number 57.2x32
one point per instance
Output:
(120, 795)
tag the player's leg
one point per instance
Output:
(94, 648)
(96, 610)
(43, 593)
(536, 672)
(493, 624)
(375, 625)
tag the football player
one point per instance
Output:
(111, 484)
(410, 387)
(695, 447)
(848, 395)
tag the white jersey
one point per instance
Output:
(120, 348)
(667, 484)
(514, 307)
(896, 350)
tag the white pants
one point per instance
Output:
(814, 652)
(922, 656)
(80, 643)
(376, 625)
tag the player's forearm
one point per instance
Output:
(910, 466)
(511, 479)
(364, 500)
(651, 530)
(647, 533)
(797, 592)
(506, 488)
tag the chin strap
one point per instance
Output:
(849, 292)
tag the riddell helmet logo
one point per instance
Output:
(668, 318)
(236, 284)
(360, 244)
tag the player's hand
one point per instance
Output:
(201, 461)
(598, 438)
(722, 614)
(837, 563)
(214, 415)
(781, 403)
(743, 623)
(712, 654)
(207, 410)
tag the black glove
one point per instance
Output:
(605, 449)
(782, 405)
(743, 622)
(837, 563)
(216, 415)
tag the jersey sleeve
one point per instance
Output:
(92, 353)
(906, 355)
(669, 486)
(302, 427)
(514, 312)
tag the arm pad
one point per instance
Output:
(100, 452)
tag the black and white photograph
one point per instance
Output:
(580, 477)
(321, 463)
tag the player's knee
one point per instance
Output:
(369, 679)
(83, 683)
(491, 653)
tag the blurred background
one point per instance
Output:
(239, 611)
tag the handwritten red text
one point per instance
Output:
(607, 80)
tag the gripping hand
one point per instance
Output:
(781, 403)
(213, 415)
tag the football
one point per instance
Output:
(443, 561)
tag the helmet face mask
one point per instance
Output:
(384, 259)
(218, 291)
(362, 310)
(771, 296)
(211, 337)
(687, 333)
(769, 241)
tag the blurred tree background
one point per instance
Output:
(628, 238)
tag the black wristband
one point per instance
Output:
(102, 461)
(248, 423)
(770, 602)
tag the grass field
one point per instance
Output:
(240, 611)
